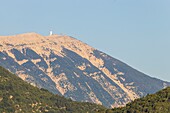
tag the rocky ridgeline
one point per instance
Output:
(71, 68)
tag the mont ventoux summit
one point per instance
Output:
(66, 66)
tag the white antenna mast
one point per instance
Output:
(51, 33)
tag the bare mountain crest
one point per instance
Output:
(69, 67)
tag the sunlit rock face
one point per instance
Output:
(69, 67)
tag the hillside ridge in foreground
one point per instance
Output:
(154, 103)
(20, 97)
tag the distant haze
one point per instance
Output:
(136, 32)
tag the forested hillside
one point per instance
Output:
(155, 103)
(18, 96)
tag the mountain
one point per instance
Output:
(69, 67)
(17, 96)
(155, 103)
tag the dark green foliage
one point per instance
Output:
(18, 96)
(155, 103)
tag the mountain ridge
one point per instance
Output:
(69, 67)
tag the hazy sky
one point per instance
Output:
(136, 32)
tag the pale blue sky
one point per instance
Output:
(134, 31)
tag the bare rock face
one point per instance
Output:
(71, 68)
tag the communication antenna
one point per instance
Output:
(51, 33)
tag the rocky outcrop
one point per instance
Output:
(71, 68)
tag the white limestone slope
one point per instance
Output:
(44, 45)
